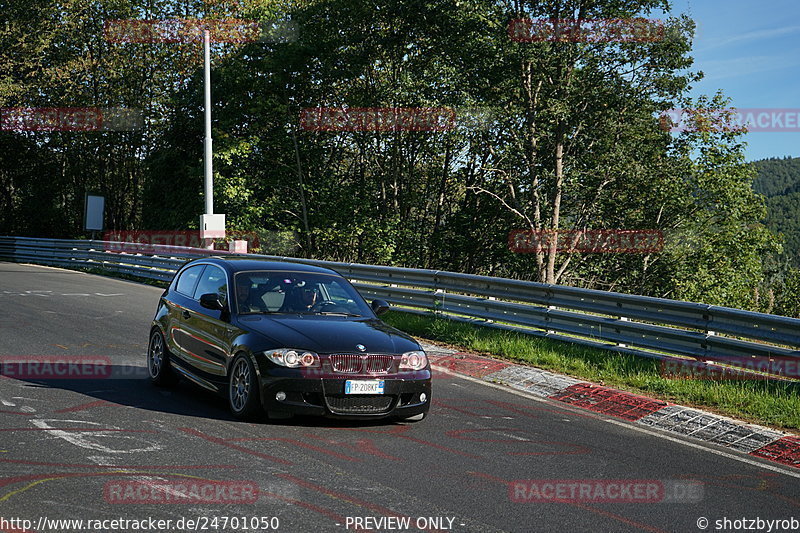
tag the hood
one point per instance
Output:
(330, 334)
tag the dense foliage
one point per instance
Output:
(549, 135)
(779, 180)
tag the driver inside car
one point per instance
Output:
(300, 299)
(246, 298)
(309, 298)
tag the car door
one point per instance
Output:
(180, 310)
(212, 329)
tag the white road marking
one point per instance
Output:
(83, 439)
(47, 294)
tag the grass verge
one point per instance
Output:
(770, 403)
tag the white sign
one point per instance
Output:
(94, 214)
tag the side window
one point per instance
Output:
(188, 280)
(212, 280)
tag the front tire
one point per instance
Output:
(243, 388)
(158, 364)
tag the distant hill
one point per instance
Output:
(779, 180)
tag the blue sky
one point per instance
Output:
(751, 50)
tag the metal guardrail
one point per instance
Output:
(652, 327)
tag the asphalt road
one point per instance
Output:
(83, 448)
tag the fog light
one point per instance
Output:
(280, 396)
(422, 397)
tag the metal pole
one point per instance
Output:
(209, 173)
(209, 177)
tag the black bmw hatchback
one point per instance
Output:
(285, 338)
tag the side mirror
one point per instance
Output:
(211, 301)
(380, 306)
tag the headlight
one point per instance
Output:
(293, 358)
(416, 360)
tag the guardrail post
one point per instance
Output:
(548, 297)
(438, 301)
(708, 333)
(623, 319)
(617, 331)
(547, 317)
(489, 320)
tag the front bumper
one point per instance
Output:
(325, 396)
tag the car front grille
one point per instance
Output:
(367, 363)
(358, 404)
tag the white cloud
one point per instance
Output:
(758, 35)
(743, 66)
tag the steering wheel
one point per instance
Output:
(317, 307)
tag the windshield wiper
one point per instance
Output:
(338, 313)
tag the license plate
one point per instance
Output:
(374, 386)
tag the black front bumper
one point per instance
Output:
(326, 397)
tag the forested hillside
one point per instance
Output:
(548, 135)
(779, 180)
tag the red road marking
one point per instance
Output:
(471, 365)
(601, 512)
(609, 401)
(785, 450)
(523, 410)
(477, 408)
(223, 442)
(395, 432)
(361, 445)
(297, 443)
(317, 509)
(84, 406)
(339, 496)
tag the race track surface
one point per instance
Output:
(114, 446)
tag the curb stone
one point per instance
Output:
(755, 440)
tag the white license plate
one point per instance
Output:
(374, 386)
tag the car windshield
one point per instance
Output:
(283, 292)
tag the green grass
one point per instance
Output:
(770, 403)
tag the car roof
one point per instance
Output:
(243, 264)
